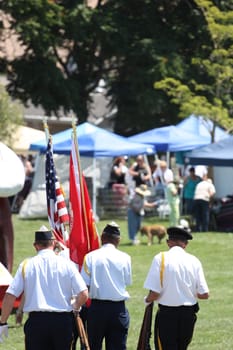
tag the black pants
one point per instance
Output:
(110, 321)
(174, 327)
(201, 209)
(49, 331)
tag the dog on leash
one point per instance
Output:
(153, 230)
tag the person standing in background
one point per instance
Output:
(107, 272)
(173, 199)
(190, 183)
(136, 212)
(162, 172)
(29, 173)
(118, 171)
(204, 192)
(175, 281)
(140, 172)
(161, 177)
(201, 170)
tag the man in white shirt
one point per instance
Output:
(107, 272)
(49, 282)
(204, 192)
(201, 170)
(162, 172)
(175, 280)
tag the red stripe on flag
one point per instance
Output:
(56, 206)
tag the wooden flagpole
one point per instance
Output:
(79, 323)
(81, 182)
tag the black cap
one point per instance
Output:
(179, 233)
(112, 229)
(43, 234)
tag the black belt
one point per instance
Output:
(50, 312)
(194, 307)
(96, 301)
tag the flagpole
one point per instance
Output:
(46, 129)
(94, 188)
(74, 134)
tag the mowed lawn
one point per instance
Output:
(214, 326)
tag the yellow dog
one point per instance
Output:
(153, 230)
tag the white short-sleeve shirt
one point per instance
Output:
(183, 278)
(48, 281)
(107, 272)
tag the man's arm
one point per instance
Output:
(151, 296)
(7, 306)
(80, 299)
(203, 296)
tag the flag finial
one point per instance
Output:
(46, 128)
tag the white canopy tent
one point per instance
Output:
(23, 137)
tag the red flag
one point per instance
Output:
(83, 234)
(92, 232)
(57, 212)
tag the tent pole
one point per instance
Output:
(147, 163)
(168, 159)
(94, 188)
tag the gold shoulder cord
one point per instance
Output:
(24, 268)
(162, 269)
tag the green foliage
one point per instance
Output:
(209, 93)
(69, 47)
(158, 38)
(10, 116)
(60, 65)
(213, 330)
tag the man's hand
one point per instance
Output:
(19, 317)
(147, 302)
(74, 305)
(3, 331)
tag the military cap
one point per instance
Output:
(112, 229)
(180, 233)
(43, 234)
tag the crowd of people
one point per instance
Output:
(188, 194)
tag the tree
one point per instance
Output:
(61, 61)
(210, 93)
(69, 47)
(155, 39)
(10, 116)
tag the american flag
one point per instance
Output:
(57, 211)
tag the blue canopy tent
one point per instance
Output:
(215, 154)
(202, 127)
(93, 142)
(170, 139)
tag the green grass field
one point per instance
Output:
(213, 329)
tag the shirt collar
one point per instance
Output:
(108, 245)
(176, 247)
(45, 251)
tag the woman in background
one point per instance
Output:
(118, 171)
